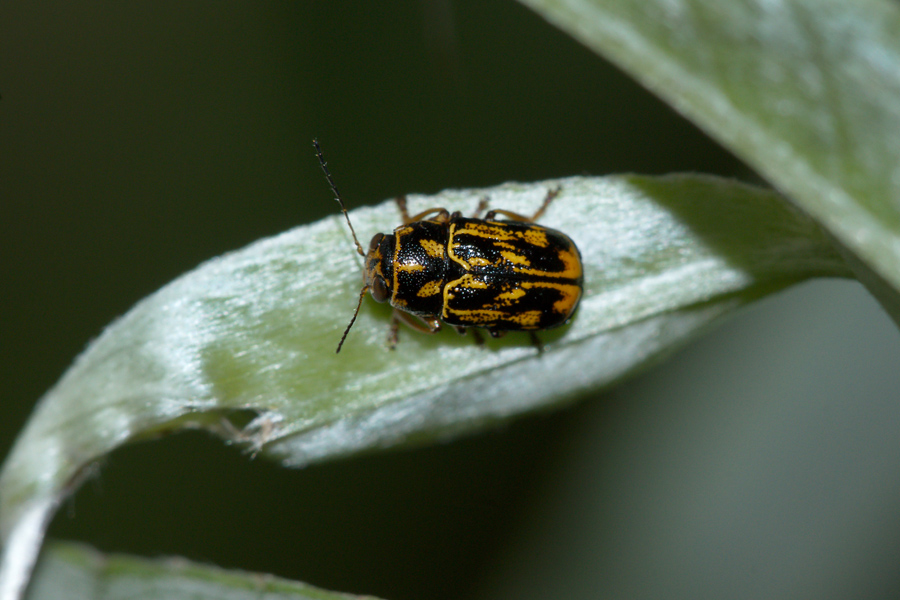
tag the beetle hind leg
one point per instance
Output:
(551, 195)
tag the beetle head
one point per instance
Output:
(378, 275)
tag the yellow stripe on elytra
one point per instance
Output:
(467, 281)
(511, 296)
(572, 262)
(484, 230)
(526, 319)
(515, 258)
(534, 235)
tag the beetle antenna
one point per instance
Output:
(337, 196)
(362, 294)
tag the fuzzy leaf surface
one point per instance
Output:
(805, 91)
(253, 332)
(77, 572)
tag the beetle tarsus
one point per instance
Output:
(393, 332)
(536, 341)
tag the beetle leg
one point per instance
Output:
(482, 204)
(401, 204)
(476, 335)
(537, 342)
(443, 215)
(551, 194)
(416, 322)
(393, 333)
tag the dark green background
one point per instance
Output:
(139, 139)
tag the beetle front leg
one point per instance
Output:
(420, 324)
(443, 214)
(393, 333)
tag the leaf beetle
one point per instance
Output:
(469, 272)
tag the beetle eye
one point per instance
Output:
(376, 239)
(379, 289)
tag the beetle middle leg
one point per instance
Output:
(482, 204)
(476, 335)
(551, 195)
(536, 342)
(416, 322)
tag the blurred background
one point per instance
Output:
(139, 139)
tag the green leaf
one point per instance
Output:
(254, 332)
(805, 91)
(77, 572)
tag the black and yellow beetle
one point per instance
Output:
(468, 272)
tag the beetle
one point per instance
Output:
(469, 272)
